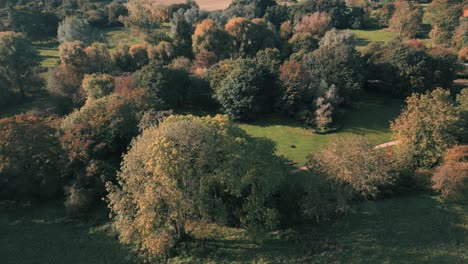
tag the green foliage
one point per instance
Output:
(405, 70)
(98, 85)
(426, 128)
(191, 169)
(75, 29)
(31, 158)
(18, 60)
(406, 19)
(240, 88)
(338, 63)
(165, 85)
(36, 24)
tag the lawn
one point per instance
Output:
(48, 51)
(415, 229)
(369, 117)
(366, 36)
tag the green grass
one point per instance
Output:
(366, 36)
(49, 53)
(117, 35)
(416, 229)
(370, 118)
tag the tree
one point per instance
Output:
(75, 29)
(210, 37)
(426, 128)
(31, 158)
(316, 24)
(353, 166)
(182, 28)
(405, 70)
(94, 138)
(451, 177)
(97, 85)
(189, 169)
(295, 84)
(239, 87)
(326, 106)
(250, 36)
(406, 19)
(338, 63)
(444, 17)
(143, 16)
(460, 36)
(18, 60)
(166, 86)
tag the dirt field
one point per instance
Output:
(210, 5)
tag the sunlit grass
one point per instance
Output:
(369, 117)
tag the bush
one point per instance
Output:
(451, 177)
(168, 179)
(31, 158)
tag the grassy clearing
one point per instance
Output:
(48, 50)
(366, 36)
(117, 35)
(417, 229)
(370, 117)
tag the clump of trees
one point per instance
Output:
(451, 177)
(32, 162)
(406, 19)
(18, 66)
(190, 169)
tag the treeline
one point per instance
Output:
(116, 131)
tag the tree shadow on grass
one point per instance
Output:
(42, 234)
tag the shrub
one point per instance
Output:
(451, 177)
(168, 179)
(31, 158)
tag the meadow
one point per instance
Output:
(209, 5)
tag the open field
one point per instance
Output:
(416, 229)
(370, 118)
(209, 5)
(366, 36)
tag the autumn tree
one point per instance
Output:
(94, 138)
(295, 88)
(169, 179)
(31, 158)
(426, 128)
(451, 177)
(316, 24)
(326, 106)
(210, 37)
(444, 17)
(143, 16)
(406, 19)
(460, 36)
(18, 61)
(354, 169)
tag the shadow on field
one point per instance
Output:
(42, 234)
